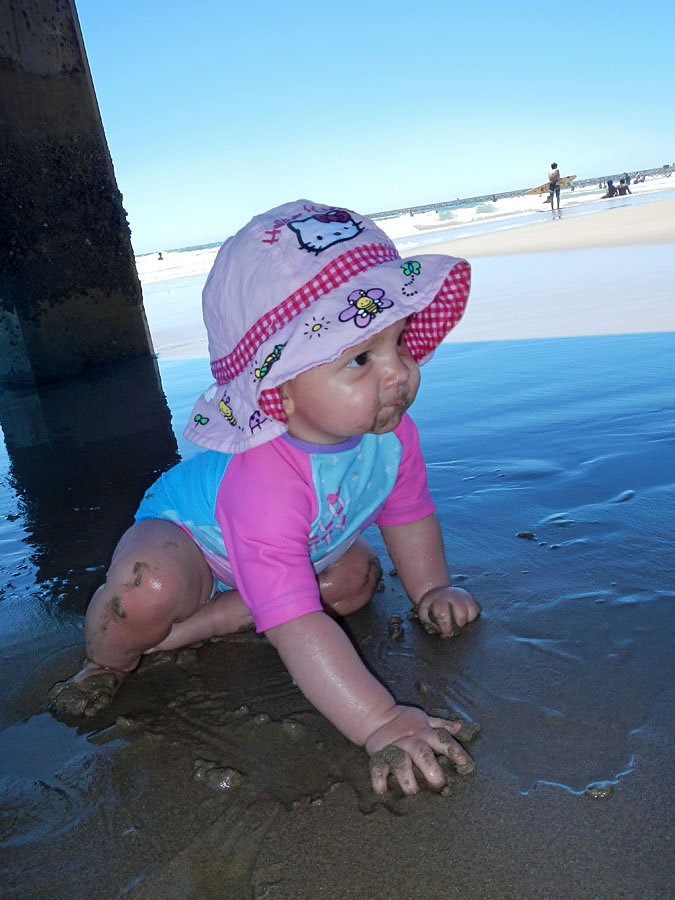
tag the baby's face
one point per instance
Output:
(365, 390)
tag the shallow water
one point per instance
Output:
(553, 466)
(572, 207)
(552, 463)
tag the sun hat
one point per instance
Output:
(294, 289)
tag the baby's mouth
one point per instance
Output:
(401, 404)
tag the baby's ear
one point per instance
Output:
(286, 398)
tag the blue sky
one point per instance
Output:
(215, 110)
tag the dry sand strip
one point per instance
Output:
(644, 223)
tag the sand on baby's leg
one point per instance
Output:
(157, 576)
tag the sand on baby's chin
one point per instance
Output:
(551, 464)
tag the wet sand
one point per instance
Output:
(551, 462)
(623, 222)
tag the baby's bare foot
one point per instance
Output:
(87, 692)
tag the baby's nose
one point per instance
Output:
(397, 372)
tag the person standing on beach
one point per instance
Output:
(316, 330)
(554, 184)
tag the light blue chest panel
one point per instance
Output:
(351, 488)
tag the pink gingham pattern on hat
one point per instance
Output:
(272, 405)
(336, 273)
(429, 326)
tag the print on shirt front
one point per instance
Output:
(351, 487)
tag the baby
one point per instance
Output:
(316, 332)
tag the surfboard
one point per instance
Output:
(565, 181)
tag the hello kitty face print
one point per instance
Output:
(322, 230)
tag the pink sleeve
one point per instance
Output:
(264, 508)
(410, 499)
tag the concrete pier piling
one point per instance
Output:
(70, 298)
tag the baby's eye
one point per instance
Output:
(359, 360)
(402, 341)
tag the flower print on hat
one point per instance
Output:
(294, 289)
(364, 306)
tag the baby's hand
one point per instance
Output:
(413, 737)
(446, 610)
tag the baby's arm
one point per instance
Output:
(417, 552)
(325, 666)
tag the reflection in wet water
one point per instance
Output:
(80, 454)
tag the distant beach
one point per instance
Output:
(547, 422)
(412, 232)
(574, 265)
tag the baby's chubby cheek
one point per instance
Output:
(413, 384)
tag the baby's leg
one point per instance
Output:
(350, 582)
(157, 576)
(224, 614)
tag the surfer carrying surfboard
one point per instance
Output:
(554, 184)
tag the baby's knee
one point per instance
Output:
(135, 593)
(125, 619)
(360, 582)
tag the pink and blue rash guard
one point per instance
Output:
(267, 520)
